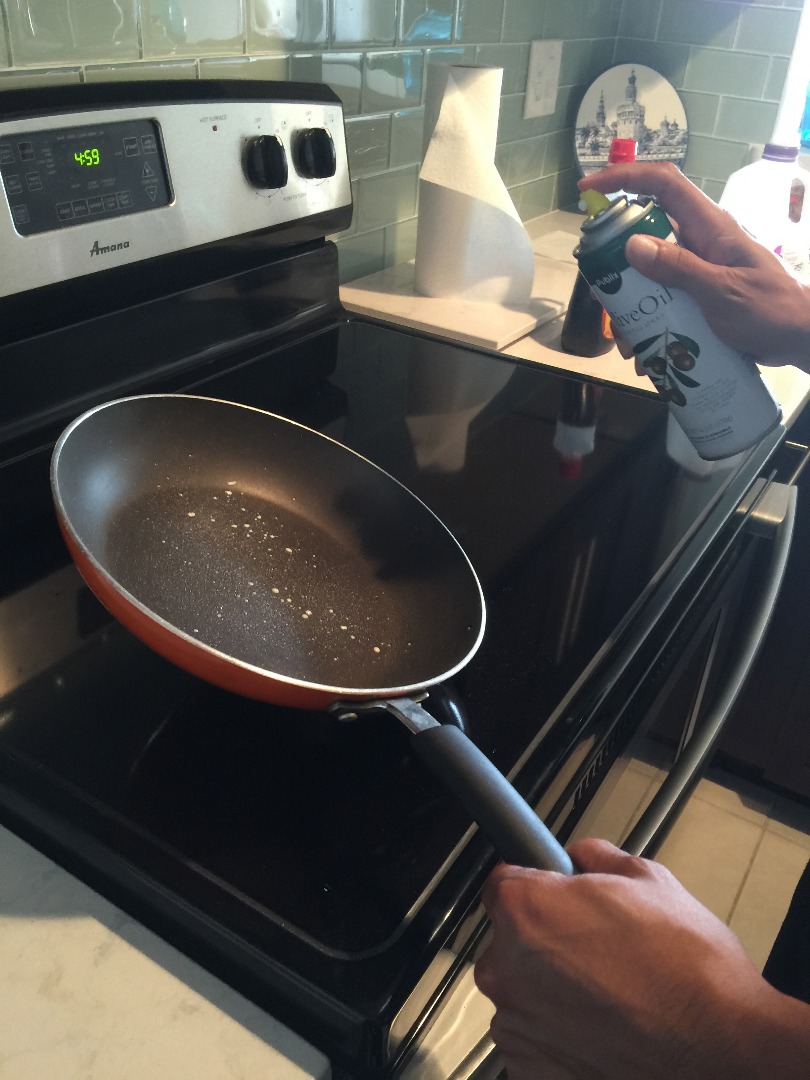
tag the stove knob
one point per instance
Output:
(315, 156)
(266, 162)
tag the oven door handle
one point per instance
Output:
(774, 515)
(770, 511)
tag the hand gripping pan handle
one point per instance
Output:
(509, 823)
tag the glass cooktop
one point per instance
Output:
(326, 848)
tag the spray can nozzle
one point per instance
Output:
(595, 202)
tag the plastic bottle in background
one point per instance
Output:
(586, 328)
(768, 198)
(621, 151)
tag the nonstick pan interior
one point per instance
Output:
(264, 544)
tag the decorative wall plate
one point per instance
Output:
(630, 101)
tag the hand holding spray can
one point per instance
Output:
(714, 392)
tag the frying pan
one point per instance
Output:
(268, 559)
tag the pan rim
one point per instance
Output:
(262, 673)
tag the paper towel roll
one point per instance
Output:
(470, 241)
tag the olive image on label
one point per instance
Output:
(714, 392)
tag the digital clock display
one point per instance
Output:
(91, 156)
(84, 175)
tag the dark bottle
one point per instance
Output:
(575, 431)
(586, 329)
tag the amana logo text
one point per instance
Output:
(99, 249)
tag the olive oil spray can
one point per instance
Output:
(714, 392)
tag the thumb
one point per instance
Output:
(669, 264)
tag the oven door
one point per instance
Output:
(653, 735)
(690, 689)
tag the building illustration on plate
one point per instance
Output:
(666, 142)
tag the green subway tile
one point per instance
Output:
(581, 18)
(400, 242)
(639, 18)
(43, 32)
(559, 152)
(583, 60)
(775, 83)
(535, 198)
(569, 98)
(392, 80)
(209, 27)
(602, 50)
(511, 125)
(386, 198)
(701, 111)
(459, 54)
(719, 72)
(567, 194)
(525, 161)
(365, 22)
(746, 120)
(575, 63)
(713, 158)
(340, 71)
(284, 24)
(368, 141)
(523, 19)
(245, 67)
(769, 31)
(480, 21)
(23, 78)
(699, 22)
(666, 57)
(406, 137)
(713, 188)
(425, 24)
(514, 59)
(502, 162)
(143, 72)
(361, 255)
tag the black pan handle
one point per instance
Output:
(515, 831)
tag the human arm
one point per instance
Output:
(747, 294)
(618, 972)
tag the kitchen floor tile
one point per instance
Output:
(766, 893)
(740, 849)
(710, 851)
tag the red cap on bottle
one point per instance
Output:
(622, 150)
(569, 467)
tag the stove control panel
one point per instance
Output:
(61, 177)
(85, 190)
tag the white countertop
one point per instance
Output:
(86, 993)
(389, 295)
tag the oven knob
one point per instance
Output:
(266, 162)
(315, 156)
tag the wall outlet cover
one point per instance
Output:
(543, 79)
